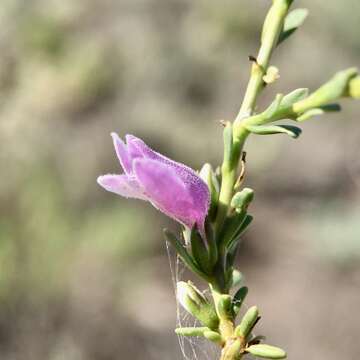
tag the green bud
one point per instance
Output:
(209, 177)
(334, 89)
(242, 199)
(354, 88)
(194, 302)
(266, 351)
(247, 323)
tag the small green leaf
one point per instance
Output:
(191, 331)
(334, 89)
(211, 241)
(292, 131)
(266, 351)
(247, 323)
(294, 96)
(231, 228)
(238, 299)
(274, 106)
(200, 251)
(183, 253)
(244, 225)
(319, 111)
(234, 242)
(292, 22)
(309, 114)
(213, 336)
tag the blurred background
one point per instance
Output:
(85, 274)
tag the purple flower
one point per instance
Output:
(171, 187)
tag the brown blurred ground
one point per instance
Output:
(84, 274)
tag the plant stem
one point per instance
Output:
(271, 30)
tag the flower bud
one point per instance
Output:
(194, 302)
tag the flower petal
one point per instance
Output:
(122, 153)
(169, 193)
(121, 185)
(135, 147)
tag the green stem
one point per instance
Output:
(271, 30)
(270, 34)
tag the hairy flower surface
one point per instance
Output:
(172, 187)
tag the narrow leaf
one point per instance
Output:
(200, 251)
(183, 253)
(292, 22)
(309, 114)
(266, 351)
(294, 96)
(231, 227)
(274, 106)
(247, 322)
(238, 299)
(233, 244)
(213, 336)
(292, 131)
(191, 331)
(319, 111)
